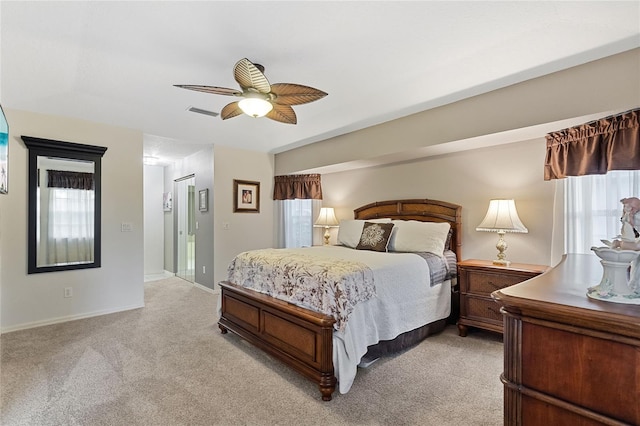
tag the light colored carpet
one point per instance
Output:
(168, 364)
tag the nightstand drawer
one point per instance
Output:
(478, 279)
(482, 309)
(485, 283)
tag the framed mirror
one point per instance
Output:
(64, 205)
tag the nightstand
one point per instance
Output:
(480, 278)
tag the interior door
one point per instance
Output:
(185, 228)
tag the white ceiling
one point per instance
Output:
(117, 62)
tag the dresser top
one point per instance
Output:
(561, 294)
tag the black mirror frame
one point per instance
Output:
(71, 150)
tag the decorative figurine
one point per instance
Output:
(629, 236)
(620, 259)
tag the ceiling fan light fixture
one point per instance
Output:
(259, 97)
(255, 107)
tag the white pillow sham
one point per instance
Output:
(350, 231)
(415, 236)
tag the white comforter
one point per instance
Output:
(404, 301)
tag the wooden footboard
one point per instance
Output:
(299, 337)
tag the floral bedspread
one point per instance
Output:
(325, 284)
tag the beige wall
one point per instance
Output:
(37, 299)
(246, 231)
(473, 150)
(470, 178)
(522, 111)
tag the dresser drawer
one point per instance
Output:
(486, 283)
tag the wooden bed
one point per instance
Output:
(302, 338)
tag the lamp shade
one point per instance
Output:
(255, 107)
(327, 217)
(502, 216)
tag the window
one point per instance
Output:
(65, 232)
(593, 208)
(297, 217)
(71, 213)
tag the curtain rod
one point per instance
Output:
(611, 116)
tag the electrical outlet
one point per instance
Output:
(68, 292)
(126, 227)
(204, 270)
(226, 226)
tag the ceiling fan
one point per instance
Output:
(260, 98)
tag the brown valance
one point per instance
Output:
(611, 143)
(70, 180)
(291, 187)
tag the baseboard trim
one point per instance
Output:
(67, 318)
(205, 288)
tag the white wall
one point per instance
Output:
(247, 231)
(153, 220)
(37, 299)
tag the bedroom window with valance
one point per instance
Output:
(599, 163)
(611, 143)
(302, 187)
(298, 201)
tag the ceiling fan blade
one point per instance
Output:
(283, 114)
(295, 94)
(249, 76)
(230, 110)
(210, 89)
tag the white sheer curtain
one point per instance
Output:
(295, 222)
(70, 226)
(593, 208)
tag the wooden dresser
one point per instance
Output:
(568, 359)
(478, 278)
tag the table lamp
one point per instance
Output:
(326, 219)
(502, 217)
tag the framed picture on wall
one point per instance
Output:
(246, 196)
(4, 153)
(203, 200)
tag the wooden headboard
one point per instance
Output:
(424, 210)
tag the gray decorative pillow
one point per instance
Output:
(375, 236)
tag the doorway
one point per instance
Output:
(185, 228)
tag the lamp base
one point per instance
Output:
(327, 235)
(502, 247)
(502, 262)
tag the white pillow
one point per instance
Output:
(414, 236)
(350, 231)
